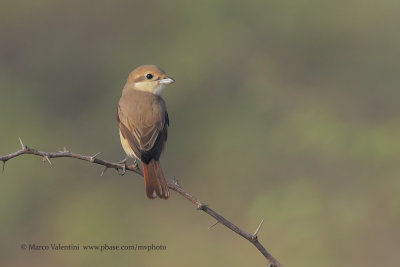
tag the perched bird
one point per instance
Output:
(143, 124)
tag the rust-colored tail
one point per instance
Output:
(154, 180)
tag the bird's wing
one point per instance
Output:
(145, 139)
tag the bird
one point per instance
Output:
(143, 124)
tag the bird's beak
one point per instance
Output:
(167, 80)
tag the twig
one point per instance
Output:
(252, 238)
(67, 154)
(175, 186)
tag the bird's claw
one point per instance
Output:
(135, 163)
(123, 162)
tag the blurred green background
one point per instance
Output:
(282, 110)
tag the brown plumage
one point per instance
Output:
(143, 124)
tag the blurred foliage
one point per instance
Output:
(283, 110)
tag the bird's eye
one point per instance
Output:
(149, 76)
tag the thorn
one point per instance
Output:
(23, 147)
(258, 229)
(64, 150)
(175, 181)
(47, 158)
(95, 155)
(92, 158)
(4, 164)
(214, 224)
(105, 169)
(201, 206)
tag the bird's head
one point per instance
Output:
(148, 78)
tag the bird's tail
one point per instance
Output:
(154, 180)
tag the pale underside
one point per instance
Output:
(127, 148)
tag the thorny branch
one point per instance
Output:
(175, 186)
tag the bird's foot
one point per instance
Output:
(135, 163)
(123, 162)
